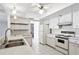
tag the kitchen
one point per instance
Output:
(62, 30)
(39, 29)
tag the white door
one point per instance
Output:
(46, 31)
(41, 33)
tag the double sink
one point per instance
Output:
(13, 43)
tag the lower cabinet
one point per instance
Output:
(51, 41)
(28, 39)
(73, 49)
(77, 49)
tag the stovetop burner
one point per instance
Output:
(68, 36)
(63, 36)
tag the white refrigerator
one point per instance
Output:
(43, 30)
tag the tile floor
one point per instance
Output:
(43, 49)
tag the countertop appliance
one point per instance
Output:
(62, 41)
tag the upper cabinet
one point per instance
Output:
(76, 17)
(65, 18)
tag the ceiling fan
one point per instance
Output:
(12, 8)
(40, 7)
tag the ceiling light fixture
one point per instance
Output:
(14, 12)
(41, 8)
(41, 11)
(14, 9)
(36, 4)
(14, 17)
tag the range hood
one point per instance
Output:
(65, 24)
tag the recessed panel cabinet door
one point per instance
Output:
(77, 49)
(76, 17)
(51, 41)
(65, 18)
(72, 49)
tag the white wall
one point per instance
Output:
(53, 23)
(3, 24)
(56, 7)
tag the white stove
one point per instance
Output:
(62, 41)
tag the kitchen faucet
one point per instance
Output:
(6, 38)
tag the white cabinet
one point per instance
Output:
(73, 49)
(77, 49)
(29, 39)
(76, 17)
(51, 41)
(65, 18)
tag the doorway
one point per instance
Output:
(35, 32)
(32, 30)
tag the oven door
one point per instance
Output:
(62, 43)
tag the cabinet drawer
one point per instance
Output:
(51, 42)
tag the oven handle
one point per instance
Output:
(61, 47)
(61, 38)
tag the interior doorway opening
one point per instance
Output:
(35, 31)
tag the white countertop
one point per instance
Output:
(15, 37)
(74, 40)
(18, 50)
(51, 35)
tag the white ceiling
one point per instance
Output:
(28, 10)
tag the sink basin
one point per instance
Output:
(13, 43)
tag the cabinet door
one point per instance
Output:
(51, 42)
(72, 49)
(65, 18)
(76, 17)
(77, 49)
(48, 40)
(29, 40)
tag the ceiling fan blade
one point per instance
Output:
(36, 5)
(35, 9)
(45, 7)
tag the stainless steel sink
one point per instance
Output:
(13, 43)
